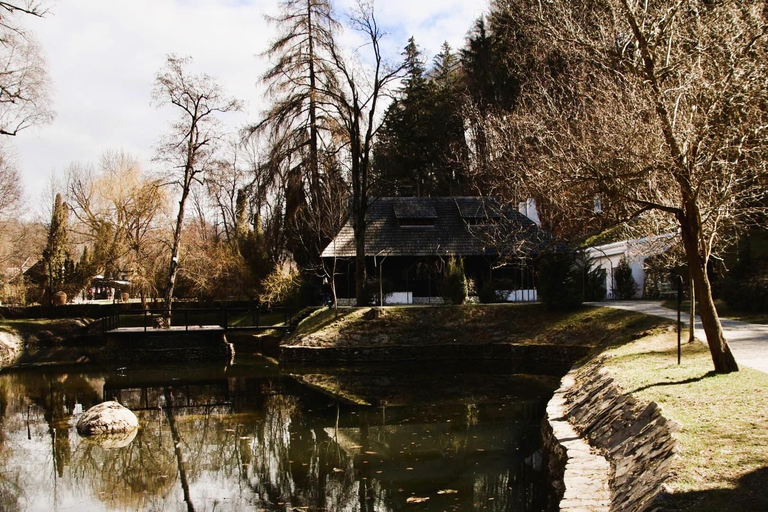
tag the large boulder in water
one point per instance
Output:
(107, 418)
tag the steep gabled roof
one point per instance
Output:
(440, 226)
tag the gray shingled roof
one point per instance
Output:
(451, 234)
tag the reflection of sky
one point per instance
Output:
(274, 453)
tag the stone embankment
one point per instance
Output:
(10, 348)
(631, 445)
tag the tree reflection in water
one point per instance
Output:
(239, 438)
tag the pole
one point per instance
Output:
(692, 331)
(679, 307)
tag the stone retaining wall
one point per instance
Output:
(167, 347)
(630, 435)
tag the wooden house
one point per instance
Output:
(409, 241)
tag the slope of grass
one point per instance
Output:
(478, 324)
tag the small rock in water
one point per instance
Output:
(107, 418)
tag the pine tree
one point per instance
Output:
(55, 255)
(300, 83)
(421, 144)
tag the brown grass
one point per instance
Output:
(724, 440)
(480, 324)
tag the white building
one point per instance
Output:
(636, 251)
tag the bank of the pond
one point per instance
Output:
(46, 340)
(674, 437)
(529, 335)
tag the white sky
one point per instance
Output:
(102, 57)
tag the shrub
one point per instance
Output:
(281, 287)
(559, 283)
(592, 278)
(624, 285)
(455, 287)
(488, 294)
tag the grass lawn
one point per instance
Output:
(724, 456)
(723, 310)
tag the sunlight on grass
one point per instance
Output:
(479, 324)
(724, 417)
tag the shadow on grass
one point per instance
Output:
(676, 382)
(749, 494)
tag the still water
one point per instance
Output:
(252, 437)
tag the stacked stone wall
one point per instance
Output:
(631, 436)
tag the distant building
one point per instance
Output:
(636, 251)
(409, 240)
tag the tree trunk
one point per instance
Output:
(313, 152)
(721, 354)
(174, 265)
(360, 269)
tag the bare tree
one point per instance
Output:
(11, 191)
(654, 111)
(24, 88)
(116, 209)
(298, 82)
(189, 148)
(355, 105)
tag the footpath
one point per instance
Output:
(748, 342)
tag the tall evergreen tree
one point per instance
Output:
(299, 83)
(416, 154)
(55, 255)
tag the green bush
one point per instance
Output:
(592, 278)
(560, 283)
(455, 287)
(624, 285)
(489, 294)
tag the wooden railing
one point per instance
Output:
(253, 318)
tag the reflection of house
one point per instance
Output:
(409, 240)
(636, 251)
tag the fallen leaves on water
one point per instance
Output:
(416, 499)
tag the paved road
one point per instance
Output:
(748, 342)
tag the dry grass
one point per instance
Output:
(480, 324)
(724, 459)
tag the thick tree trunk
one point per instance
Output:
(721, 354)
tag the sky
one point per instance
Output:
(102, 57)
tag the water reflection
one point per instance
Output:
(247, 437)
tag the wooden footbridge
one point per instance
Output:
(222, 319)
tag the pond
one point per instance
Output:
(250, 436)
